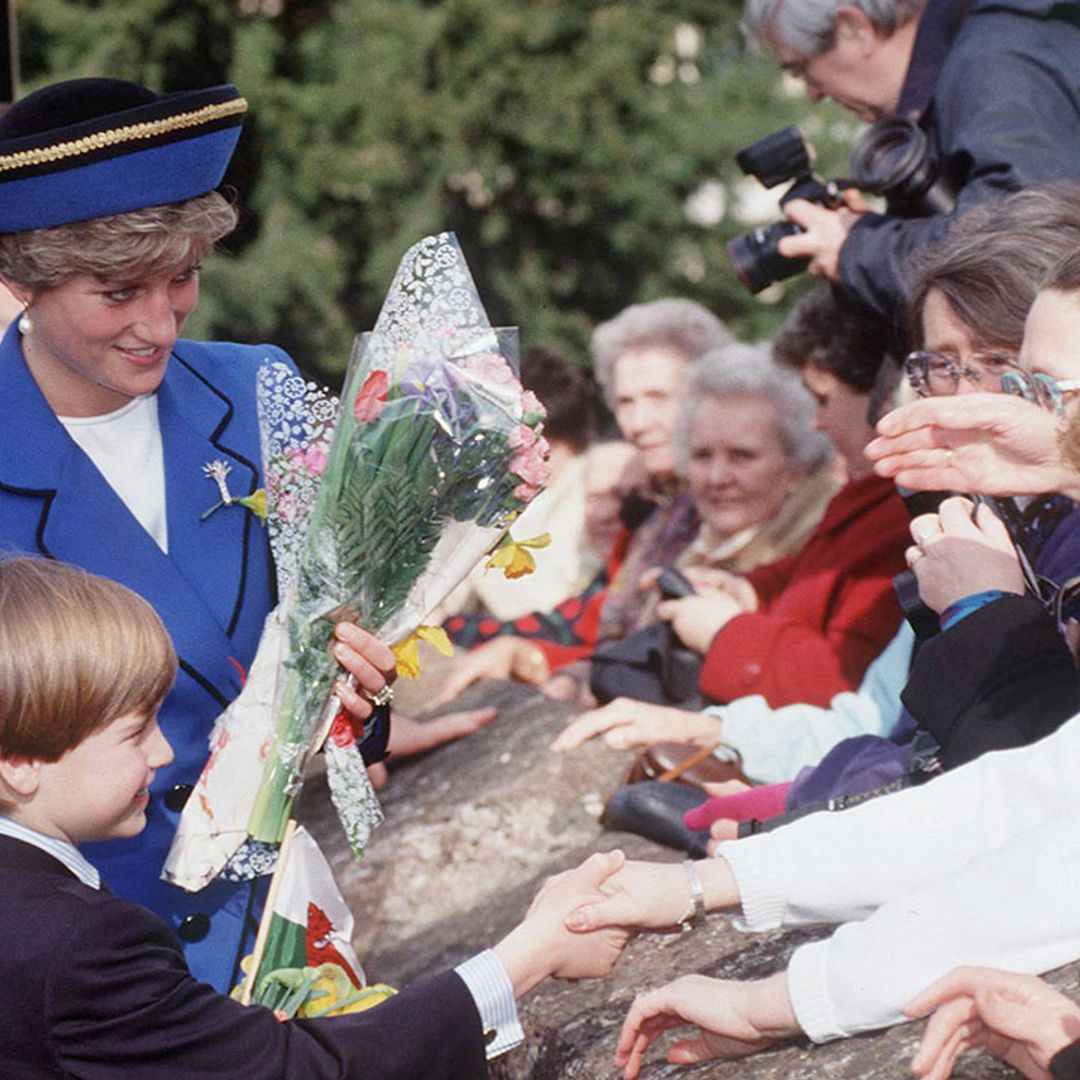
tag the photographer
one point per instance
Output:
(995, 84)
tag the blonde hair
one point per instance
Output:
(135, 244)
(77, 651)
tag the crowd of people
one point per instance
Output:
(841, 567)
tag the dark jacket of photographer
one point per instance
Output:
(996, 84)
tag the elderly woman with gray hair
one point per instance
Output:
(804, 628)
(753, 462)
(749, 448)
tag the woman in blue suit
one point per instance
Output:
(107, 419)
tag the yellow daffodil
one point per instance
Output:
(357, 1001)
(407, 652)
(512, 558)
(255, 502)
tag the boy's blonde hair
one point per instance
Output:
(77, 651)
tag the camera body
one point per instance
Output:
(892, 158)
(673, 584)
(777, 158)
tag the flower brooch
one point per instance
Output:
(218, 471)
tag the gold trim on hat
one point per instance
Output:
(133, 132)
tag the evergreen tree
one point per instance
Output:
(583, 150)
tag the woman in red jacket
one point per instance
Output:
(804, 628)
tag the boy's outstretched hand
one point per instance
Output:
(541, 945)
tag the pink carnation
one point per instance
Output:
(529, 464)
(530, 403)
(530, 467)
(490, 366)
(526, 492)
(312, 461)
(521, 437)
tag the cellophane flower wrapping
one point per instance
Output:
(436, 450)
(296, 424)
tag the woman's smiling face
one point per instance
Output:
(737, 469)
(94, 345)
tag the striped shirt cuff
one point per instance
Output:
(493, 993)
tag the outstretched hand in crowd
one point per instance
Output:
(505, 657)
(1018, 1018)
(625, 723)
(733, 1019)
(543, 946)
(990, 443)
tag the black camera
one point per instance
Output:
(891, 158)
(673, 584)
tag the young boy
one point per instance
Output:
(96, 987)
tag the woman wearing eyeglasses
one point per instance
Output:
(982, 866)
(971, 296)
(970, 304)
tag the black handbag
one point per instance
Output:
(651, 665)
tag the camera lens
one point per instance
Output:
(893, 158)
(756, 259)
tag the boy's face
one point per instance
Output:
(98, 789)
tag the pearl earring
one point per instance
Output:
(25, 324)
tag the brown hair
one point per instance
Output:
(136, 244)
(836, 335)
(77, 651)
(995, 260)
(567, 393)
(1065, 277)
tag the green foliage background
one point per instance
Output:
(560, 139)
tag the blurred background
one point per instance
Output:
(582, 150)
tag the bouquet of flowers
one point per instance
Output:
(436, 450)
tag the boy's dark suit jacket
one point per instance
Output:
(95, 987)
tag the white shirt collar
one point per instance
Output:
(60, 850)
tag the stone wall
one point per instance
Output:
(473, 828)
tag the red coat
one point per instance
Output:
(825, 612)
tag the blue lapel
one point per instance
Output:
(199, 587)
(212, 554)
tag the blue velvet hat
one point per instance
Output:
(89, 147)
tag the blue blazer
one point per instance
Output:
(213, 591)
(95, 987)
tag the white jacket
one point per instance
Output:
(981, 866)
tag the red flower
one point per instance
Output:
(341, 731)
(529, 624)
(371, 397)
(488, 626)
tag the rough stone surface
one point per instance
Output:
(473, 828)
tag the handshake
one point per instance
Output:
(581, 920)
(542, 945)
